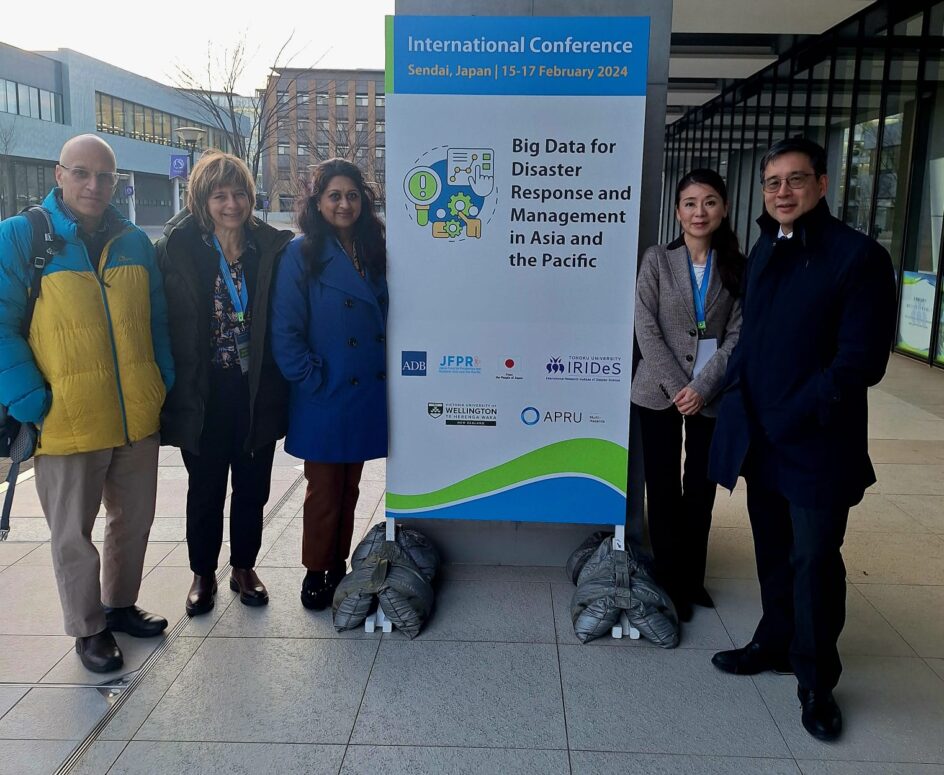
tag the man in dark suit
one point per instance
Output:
(818, 319)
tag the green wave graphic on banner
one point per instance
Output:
(594, 457)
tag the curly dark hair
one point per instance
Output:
(369, 233)
(730, 259)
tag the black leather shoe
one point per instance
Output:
(251, 590)
(202, 595)
(821, 715)
(699, 596)
(750, 660)
(99, 653)
(134, 621)
(318, 589)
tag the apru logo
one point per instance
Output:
(530, 416)
(413, 363)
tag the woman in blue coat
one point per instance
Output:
(329, 314)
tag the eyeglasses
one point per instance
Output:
(794, 180)
(82, 175)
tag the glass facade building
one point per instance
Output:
(870, 91)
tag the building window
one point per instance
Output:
(302, 99)
(340, 99)
(321, 98)
(343, 151)
(380, 127)
(341, 127)
(322, 150)
(380, 153)
(360, 126)
(281, 98)
(324, 125)
(282, 149)
(380, 100)
(302, 149)
(361, 100)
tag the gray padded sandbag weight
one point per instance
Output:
(355, 599)
(386, 574)
(614, 581)
(582, 553)
(415, 545)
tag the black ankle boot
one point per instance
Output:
(318, 589)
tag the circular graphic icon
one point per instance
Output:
(421, 186)
(530, 416)
(509, 363)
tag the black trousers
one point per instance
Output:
(225, 427)
(679, 507)
(802, 582)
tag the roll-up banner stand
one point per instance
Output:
(514, 161)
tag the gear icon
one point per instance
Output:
(454, 227)
(459, 203)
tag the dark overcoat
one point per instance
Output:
(818, 320)
(329, 339)
(190, 265)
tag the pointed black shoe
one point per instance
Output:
(99, 653)
(750, 660)
(318, 589)
(821, 715)
(135, 622)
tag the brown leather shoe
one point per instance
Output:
(251, 590)
(202, 595)
(99, 653)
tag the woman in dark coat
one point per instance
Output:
(228, 406)
(329, 339)
(688, 320)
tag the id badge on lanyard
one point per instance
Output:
(242, 348)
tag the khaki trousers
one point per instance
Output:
(328, 513)
(71, 489)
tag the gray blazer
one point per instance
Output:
(667, 332)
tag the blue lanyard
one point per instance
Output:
(700, 293)
(240, 300)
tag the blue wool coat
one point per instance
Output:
(329, 340)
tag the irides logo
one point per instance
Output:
(554, 366)
(413, 363)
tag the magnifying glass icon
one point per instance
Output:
(421, 186)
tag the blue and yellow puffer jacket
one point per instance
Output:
(97, 365)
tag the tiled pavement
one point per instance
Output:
(497, 682)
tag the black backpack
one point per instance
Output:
(18, 440)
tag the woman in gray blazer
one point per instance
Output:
(687, 321)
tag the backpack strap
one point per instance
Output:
(44, 246)
(8, 499)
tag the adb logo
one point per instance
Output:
(413, 363)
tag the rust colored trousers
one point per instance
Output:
(328, 513)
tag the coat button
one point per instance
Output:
(355, 382)
(381, 338)
(692, 332)
(349, 303)
(689, 358)
(352, 342)
(381, 375)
